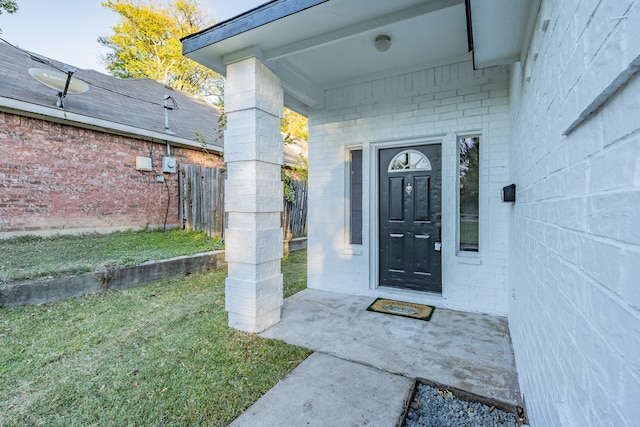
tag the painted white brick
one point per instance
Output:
(454, 100)
(250, 84)
(254, 220)
(468, 105)
(253, 170)
(629, 277)
(253, 196)
(629, 391)
(573, 240)
(419, 104)
(615, 215)
(253, 186)
(256, 135)
(615, 167)
(253, 323)
(259, 245)
(245, 292)
(254, 272)
(451, 115)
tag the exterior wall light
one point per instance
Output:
(509, 193)
(382, 43)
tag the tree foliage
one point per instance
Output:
(294, 126)
(146, 43)
(469, 174)
(9, 6)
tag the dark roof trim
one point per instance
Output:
(467, 5)
(261, 15)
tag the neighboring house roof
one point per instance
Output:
(132, 107)
(339, 48)
(295, 151)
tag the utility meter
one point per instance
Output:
(169, 165)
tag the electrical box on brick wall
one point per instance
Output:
(169, 165)
(143, 163)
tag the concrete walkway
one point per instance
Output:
(364, 362)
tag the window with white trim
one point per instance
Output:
(469, 194)
(355, 197)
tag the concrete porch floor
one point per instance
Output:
(365, 362)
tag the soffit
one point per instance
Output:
(332, 43)
(501, 30)
(314, 45)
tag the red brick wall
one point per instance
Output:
(57, 177)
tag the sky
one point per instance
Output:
(67, 30)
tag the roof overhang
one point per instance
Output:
(500, 30)
(315, 45)
(61, 116)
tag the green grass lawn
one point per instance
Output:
(31, 257)
(155, 355)
(294, 272)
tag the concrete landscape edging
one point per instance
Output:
(293, 245)
(110, 277)
(107, 277)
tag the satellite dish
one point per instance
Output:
(56, 80)
(61, 82)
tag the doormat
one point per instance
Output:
(434, 403)
(399, 308)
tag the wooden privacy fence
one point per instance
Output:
(201, 203)
(201, 199)
(294, 215)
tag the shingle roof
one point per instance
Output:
(137, 103)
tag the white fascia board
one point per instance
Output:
(57, 115)
(534, 11)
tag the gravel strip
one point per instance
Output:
(433, 408)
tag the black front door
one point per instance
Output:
(410, 217)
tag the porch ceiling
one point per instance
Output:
(313, 45)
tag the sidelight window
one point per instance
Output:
(469, 196)
(355, 197)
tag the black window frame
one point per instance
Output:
(355, 196)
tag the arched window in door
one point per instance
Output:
(409, 160)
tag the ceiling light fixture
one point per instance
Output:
(382, 43)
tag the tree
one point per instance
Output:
(146, 43)
(469, 175)
(9, 6)
(294, 126)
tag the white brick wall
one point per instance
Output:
(434, 105)
(253, 196)
(575, 233)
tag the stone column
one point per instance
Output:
(253, 195)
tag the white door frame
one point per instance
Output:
(374, 191)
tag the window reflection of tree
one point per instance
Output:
(469, 192)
